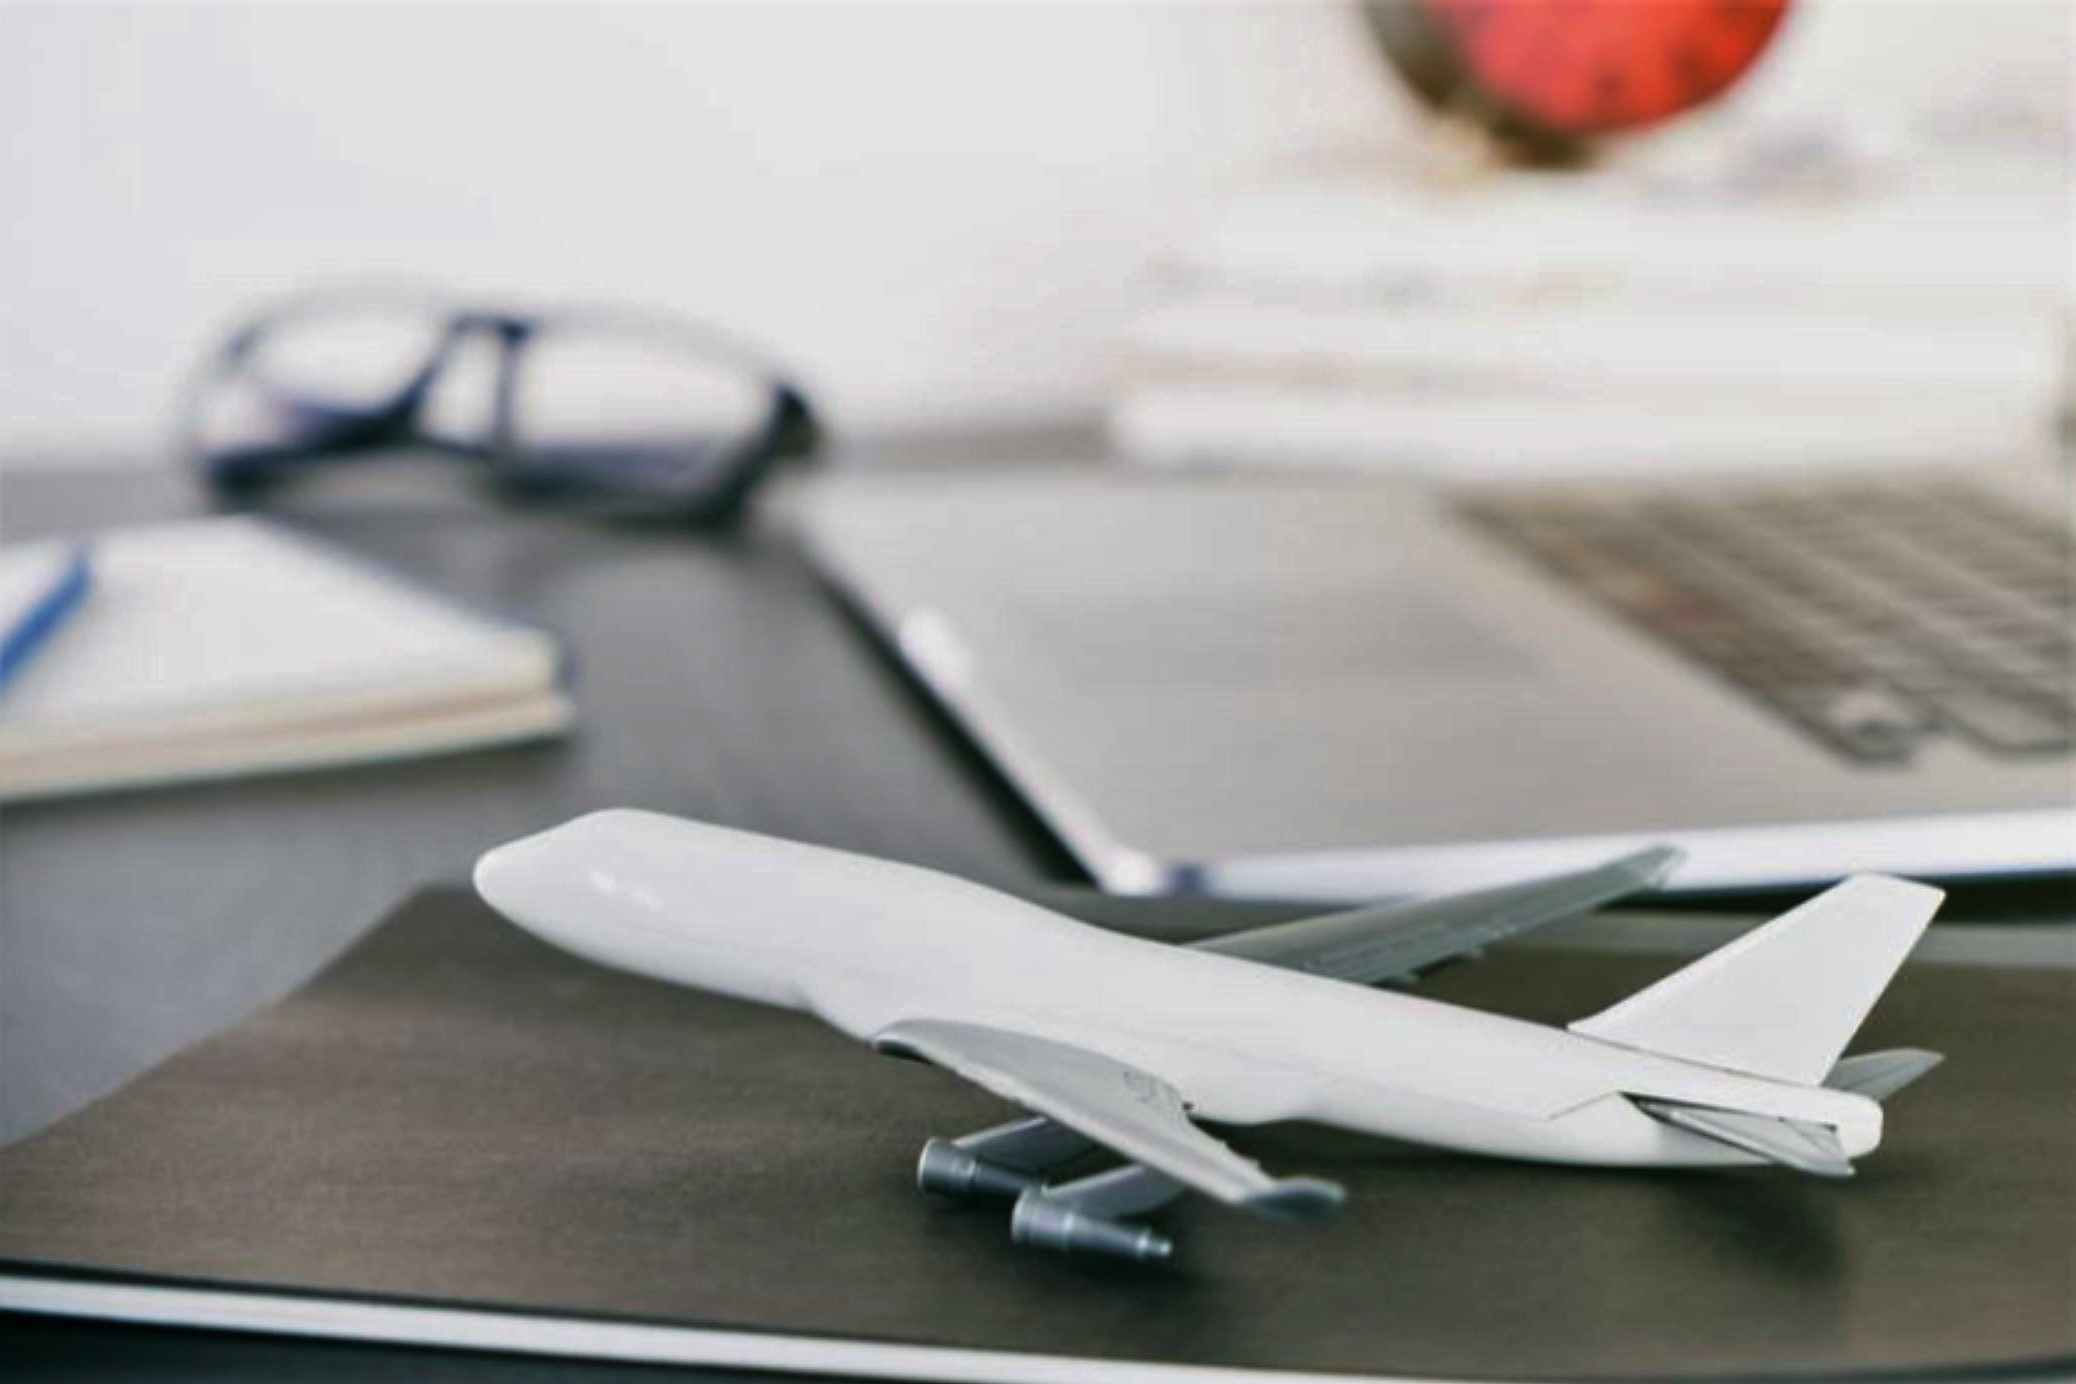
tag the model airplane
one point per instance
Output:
(1115, 1041)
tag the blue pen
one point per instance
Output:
(35, 625)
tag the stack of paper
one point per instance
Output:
(230, 646)
(1527, 319)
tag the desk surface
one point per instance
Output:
(715, 679)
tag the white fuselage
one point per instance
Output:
(864, 944)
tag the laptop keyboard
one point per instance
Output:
(1875, 617)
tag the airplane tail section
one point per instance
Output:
(1783, 1000)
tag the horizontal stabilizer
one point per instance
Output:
(1879, 1075)
(1783, 1000)
(1799, 1144)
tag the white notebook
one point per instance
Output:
(218, 647)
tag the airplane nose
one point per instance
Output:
(525, 879)
(553, 882)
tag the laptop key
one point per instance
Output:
(1868, 721)
(2003, 722)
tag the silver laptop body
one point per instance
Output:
(1337, 686)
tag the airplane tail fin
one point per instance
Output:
(1783, 1000)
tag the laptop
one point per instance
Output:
(1324, 685)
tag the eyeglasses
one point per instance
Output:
(615, 413)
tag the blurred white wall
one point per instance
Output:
(936, 210)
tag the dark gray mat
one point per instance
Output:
(456, 1113)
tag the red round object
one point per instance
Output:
(1573, 68)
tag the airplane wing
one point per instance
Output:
(1129, 1111)
(1393, 941)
